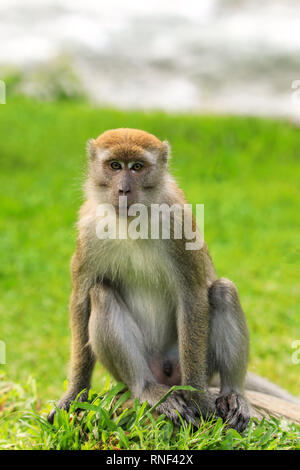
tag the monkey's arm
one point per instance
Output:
(193, 334)
(82, 359)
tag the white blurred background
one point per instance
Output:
(221, 56)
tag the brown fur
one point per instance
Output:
(129, 138)
(126, 144)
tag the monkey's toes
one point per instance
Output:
(233, 408)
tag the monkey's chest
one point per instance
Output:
(136, 262)
(145, 278)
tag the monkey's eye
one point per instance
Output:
(136, 166)
(116, 166)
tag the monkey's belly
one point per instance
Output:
(154, 313)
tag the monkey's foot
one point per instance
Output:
(176, 402)
(233, 408)
(65, 402)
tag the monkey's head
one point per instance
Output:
(126, 162)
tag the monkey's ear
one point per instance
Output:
(91, 148)
(166, 152)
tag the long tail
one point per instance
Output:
(260, 384)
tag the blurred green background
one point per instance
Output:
(246, 172)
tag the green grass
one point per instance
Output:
(246, 172)
(103, 424)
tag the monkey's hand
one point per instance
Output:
(177, 403)
(233, 408)
(65, 402)
(204, 403)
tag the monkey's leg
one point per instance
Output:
(118, 342)
(228, 352)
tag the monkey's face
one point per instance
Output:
(127, 167)
(135, 177)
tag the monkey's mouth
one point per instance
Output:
(123, 204)
(123, 210)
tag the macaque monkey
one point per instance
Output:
(154, 313)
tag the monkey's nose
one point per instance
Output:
(124, 192)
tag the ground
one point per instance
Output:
(245, 171)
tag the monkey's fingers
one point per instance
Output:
(50, 416)
(234, 409)
(62, 405)
(176, 403)
(65, 402)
